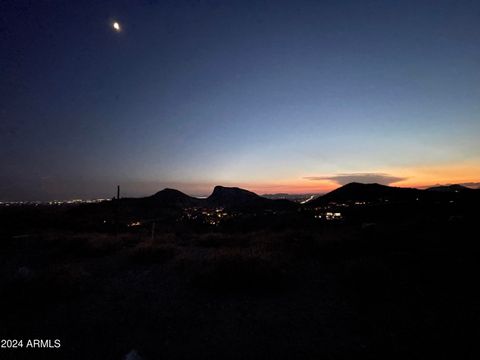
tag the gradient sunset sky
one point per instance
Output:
(273, 96)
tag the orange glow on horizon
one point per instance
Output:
(434, 175)
(416, 177)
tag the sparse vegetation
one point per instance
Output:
(149, 252)
(364, 284)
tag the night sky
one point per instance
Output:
(273, 96)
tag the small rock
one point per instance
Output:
(133, 355)
(24, 273)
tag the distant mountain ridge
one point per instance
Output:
(170, 201)
(450, 188)
(233, 198)
(174, 198)
(366, 192)
(241, 199)
(377, 192)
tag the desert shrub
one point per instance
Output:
(371, 280)
(37, 288)
(299, 244)
(66, 280)
(88, 245)
(292, 245)
(230, 270)
(151, 252)
(216, 240)
(104, 245)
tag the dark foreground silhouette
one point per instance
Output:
(392, 277)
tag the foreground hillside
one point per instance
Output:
(376, 286)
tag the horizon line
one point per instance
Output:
(320, 193)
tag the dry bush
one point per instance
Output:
(217, 240)
(88, 244)
(52, 285)
(227, 270)
(151, 252)
(104, 245)
(369, 279)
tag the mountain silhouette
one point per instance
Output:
(172, 198)
(232, 196)
(171, 202)
(455, 188)
(367, 192)
(241, 199)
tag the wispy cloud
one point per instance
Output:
(342, 179)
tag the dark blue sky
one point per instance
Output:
(269, 95)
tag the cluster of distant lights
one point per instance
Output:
(211, 216)
(52, 202)
(329, 216)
